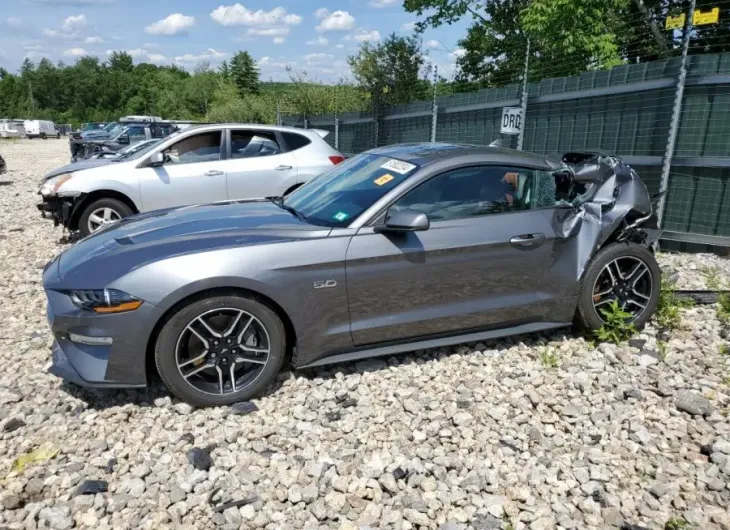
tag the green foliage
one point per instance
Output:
(617, 327)
(724, 349)
(389, 71)
(662, 346)
(676, 523)
(548, 358)
(668, 314)
(244, 73)
(711, 274)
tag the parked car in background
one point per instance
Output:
(202, 164)
(93, 126)
(41, 129)
(101, 159)
(3, 166)
(118, 137)
(398, 249)
(11, 128)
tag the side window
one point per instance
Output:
(479, 190)
(295, 141)
(251, 144)
(204, 147)
(136, 134)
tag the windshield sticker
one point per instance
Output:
(340, 216)
(398, 166)
(384, 179)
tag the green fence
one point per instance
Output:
(626, 111)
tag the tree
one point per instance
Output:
(244, 73)
(223, 69)
(121, 61)
(390, 71)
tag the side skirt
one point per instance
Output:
(435, 343)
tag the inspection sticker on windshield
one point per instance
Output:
(340, 216)
(398, 166)
(384, 179)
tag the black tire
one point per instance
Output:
(587, 315)
(121, 210)
(58, 136)
(43, 136)
(175, 327)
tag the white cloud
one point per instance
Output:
(269, 32)
(279, 40)
(271, 64)
(175, 24)
(340, 46)
(408, 27)
(363, 35)
(151, 45)
(317, 57)
(75, 52)
(74, 23)
(458, 52)
(208, 55)
(14, 22)
(433, 44)
(383, 3)
(319, 41)
(55, 34)
(238, 15)
(93, 40)
(156, 58)
(337, 21)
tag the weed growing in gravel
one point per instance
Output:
(662, 347)
(723, 307)
(724, 349)
(617, 327)
(712, 277)
(714, 282)
(548, 358)
(668, 313)
(676, 523)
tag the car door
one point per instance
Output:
(258, 165)
(486, 261)
(192, 173)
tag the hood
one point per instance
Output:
(141, 239)
(77, 166)
(88, 135)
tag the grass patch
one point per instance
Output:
(676, 523)
(669, 311)
(724, 349)
(662, 347)
(617, 327)
(548, 358)
(714, 282)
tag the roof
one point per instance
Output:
(425, 153)
(282, 128)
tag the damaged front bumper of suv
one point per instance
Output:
(60, 208)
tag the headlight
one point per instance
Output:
(104, 300)
(51, 186)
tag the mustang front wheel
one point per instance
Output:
(622, 272)
(220, 350)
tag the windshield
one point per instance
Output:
(137, 150)
(109, 126)
(341, 195)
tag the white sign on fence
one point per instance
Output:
(511, 120)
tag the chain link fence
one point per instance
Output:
(669, 117)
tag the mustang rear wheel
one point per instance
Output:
(623, 272)
(220, 350)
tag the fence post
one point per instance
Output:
(434, 106)
(278, 114)
(337, 132)
(676, 111)
(521, 136)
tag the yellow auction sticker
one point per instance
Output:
(384, 179)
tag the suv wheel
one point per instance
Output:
(625, 272)
(100, 213)
(220, 350)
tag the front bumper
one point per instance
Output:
(60, 209)
(121, 364)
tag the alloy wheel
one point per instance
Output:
(626, 279)
(222, 351)
(101, 217)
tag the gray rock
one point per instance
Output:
(486, 522)
(612, 517)
(721, 446)
(10, 501)
(136, 487)
(56, 518)
(693, 403)
(183, 408)
(416, 517)
(177, 494)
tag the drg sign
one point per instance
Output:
(511, 120)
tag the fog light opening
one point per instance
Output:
(90, 341)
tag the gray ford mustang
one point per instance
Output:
(397, 249)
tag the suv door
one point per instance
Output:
(487, 260)
(192, 173)
(258, 165)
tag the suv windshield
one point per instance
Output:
(341, 195)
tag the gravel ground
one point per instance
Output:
(535, 432)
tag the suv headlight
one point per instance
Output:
(104, 300)
(51, 186)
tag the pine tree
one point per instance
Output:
(223, 69)
(244, 73)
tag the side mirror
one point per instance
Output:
(405, 220)
(157, 159)
(124, 139)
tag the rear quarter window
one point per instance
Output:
(296, 141)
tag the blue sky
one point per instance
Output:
(311, 35)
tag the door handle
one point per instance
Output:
(283, 168)
(527, 240)
(213, 173)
